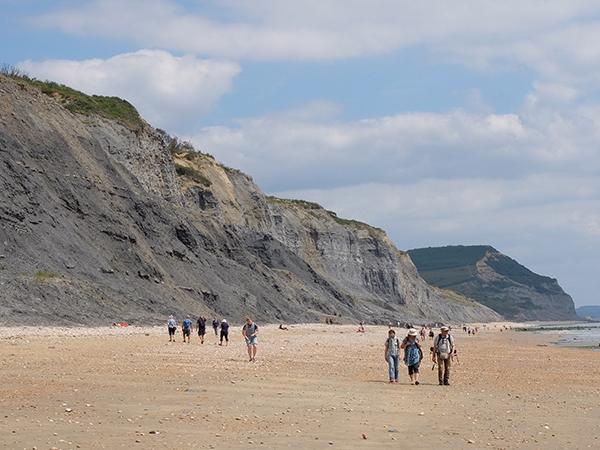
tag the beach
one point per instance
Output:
(312, 387)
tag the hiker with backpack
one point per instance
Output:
(391, 355)
(172, 327)
(412, 355)
(443, 349)
(224, 332)
(186, 329)
(201, 323)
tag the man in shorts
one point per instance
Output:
(172, 326)
(215, 325)
(250, 335)
(201, 322)
(186, 328)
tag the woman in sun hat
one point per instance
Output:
(412, 355)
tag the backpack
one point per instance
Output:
(444, 346)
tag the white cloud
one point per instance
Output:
(169, 91)
(284, 152)
(557, 39)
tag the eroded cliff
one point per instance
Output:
(101, 221)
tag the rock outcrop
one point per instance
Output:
(103, 221)
(495, 280)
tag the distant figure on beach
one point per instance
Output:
(423, 332)
(443, 348)
(172, 326)
(412, 355)
(215, 324)
(186, 329)
(361, 327)
(391, 355)
(201, 323)
(431, 334)
(224, 332)
(250, 335)
(282, 327)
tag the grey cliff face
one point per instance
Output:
(100, 222)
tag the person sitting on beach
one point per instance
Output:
(443, 349)
(361, 327)
(201, 323)
(224, 332)
(412, 355)
(391, 354)
(186, 329)
(250, 335)
(172, 327)
(215, 324)
(281, 327)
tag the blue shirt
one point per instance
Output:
(187, 324)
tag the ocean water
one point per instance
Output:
(571, 334)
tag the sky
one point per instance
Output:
(463, 122)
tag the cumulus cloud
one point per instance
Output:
(557, 39)
(170, 91)
(299, 153)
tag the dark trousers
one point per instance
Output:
(444, 369)
(224, 335)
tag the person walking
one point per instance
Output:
(172, 327)
(391, 355)
(443, 349)
(412, 355)
(224, 332)
(201, 323)
(186, 329)
(250, 335)
(215, 324)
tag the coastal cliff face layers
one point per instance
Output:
(492, 278)
(102, 220)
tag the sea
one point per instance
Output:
(570, 334)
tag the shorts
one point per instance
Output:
(186, 332)
(252, 340)
(172, 331)
(201, 331)
(414, 368)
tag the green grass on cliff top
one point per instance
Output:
(315, 206)
(113, 108)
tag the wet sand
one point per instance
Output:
(313, 387)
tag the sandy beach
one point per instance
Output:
(313, 386)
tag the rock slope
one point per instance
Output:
(102, 220)
(495, 280)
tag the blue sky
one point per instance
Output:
(443, 122)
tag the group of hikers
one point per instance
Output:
(442, 351)
(249, 332)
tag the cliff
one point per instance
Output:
(104, 218)
(495, 280)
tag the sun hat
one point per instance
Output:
(412, 332)
(445, 328)
(224, 320)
